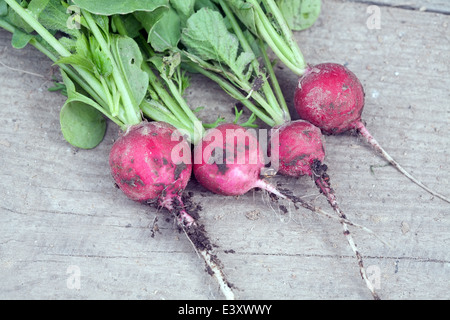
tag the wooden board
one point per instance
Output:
(67, 233)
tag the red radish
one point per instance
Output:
(298, 144)
(142, 166)
(297, 147)
(331, 97)
(146, 167)
(229, 160)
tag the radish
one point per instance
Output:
(299, 150)
(331, 97)
(105, 75)
(228, 161)
(142, 165)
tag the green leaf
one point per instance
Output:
(131, 25)
(245, 13)
(205, 4)
(82, 126)
(17, 21)
(102, 62)
(3, 8)
(110, 7)
(301, 14)
(77, 60)
(20, 39)
(184, 8)
(130, 59)
(54, 16)
(148, 20)
(37, 6)
(166, 33)
(81, 119)
(207, 37)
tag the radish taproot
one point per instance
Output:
(331, 97)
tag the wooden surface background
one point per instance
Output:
(62, 220)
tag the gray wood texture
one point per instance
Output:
(62, 220)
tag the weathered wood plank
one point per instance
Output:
(438, 6)
(60, 214)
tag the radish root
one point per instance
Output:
(199, 239)
(322, 181)
(361, 128)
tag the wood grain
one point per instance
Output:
(60, 213)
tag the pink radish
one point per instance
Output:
(142, 166)
(145, 165)
(331, 97)
(297, 147)
(229, 160)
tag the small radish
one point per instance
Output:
(143, 165)
(297, 148)
(229, 160)
(331, 97)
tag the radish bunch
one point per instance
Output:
(125, 63)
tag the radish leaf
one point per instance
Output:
(82, 126)
(82, 123)
(109, 7)
(207, 36)
(166, 33)
(130, 60)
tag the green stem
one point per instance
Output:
(285, 58)
(158, 115)
(284, 47)
(274, 107)
(274, 81)
(288, 35)
(232, 91)
(213, 73)
(197, 126)
(185, 118)
(5, 25)
(131, 110)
